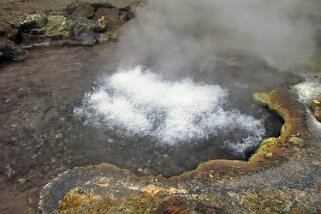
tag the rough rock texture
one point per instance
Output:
(34, 21)
(282, 177)
(57, 26)
(84, 31)
(78, 23)
(9, 50)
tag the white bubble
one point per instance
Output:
(141, 103)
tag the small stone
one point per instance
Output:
(268, 155)
(110, 140)
(30, 200)
(36, 31)
(58, 136)
(62, 119)
(296, 140)
(34, 156)
(165, 155)
(22, 180)
(140, 170)
(13, 125)
(102, 23)
(146, 170)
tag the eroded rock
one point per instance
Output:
(10, 50)
(84, 31)
(57, 26)
(33, 21)
(80, 23)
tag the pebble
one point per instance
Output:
(146, 170)
(22, 180)
(58, 136)
(268, 155)
(140, 170)
(110, 140)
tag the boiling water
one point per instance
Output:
(138, 103)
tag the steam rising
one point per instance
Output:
(144, 104)
(173, 34)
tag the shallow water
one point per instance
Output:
(40, 135)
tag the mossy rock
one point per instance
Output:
(84, 32)
(33, 21)
(57, 26)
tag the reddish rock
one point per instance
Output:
(111, 14)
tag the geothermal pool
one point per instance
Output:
(47, 107)
(164, 133)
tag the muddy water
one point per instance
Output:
(40, 137)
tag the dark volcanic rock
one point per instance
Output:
(84, 31)
(10, 50)
(33, 21)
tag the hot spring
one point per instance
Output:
(169, 125)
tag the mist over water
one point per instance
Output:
(170, 38)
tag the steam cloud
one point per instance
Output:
(142, 103)
(173, 34)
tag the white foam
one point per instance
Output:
(308, 90)
(142, 103)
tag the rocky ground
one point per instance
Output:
(25, 24)
(32, 23)
(40, 138)
(282, 177)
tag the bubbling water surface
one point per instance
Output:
(137, 102)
